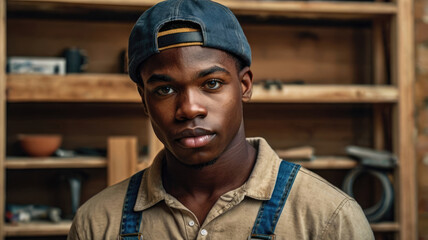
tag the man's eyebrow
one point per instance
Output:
(211, 70)
(159, 78)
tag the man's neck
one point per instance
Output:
(228, 172)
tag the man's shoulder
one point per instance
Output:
(313, 184)
(311, 191)
(99, 217)
(322, 207)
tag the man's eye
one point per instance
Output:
(163, 91)
(213, 84)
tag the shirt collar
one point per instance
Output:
(259, 185)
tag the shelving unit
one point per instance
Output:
(118, 88)
(389, 88)
(45, 163)
(37, 229)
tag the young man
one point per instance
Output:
(191, 62)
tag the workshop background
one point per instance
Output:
(421, 93)
(341, 87)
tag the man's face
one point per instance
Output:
(193, 96)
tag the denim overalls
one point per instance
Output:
(264, 226)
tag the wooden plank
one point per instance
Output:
(379, 79)
(328, 128)
(258, 8)
(35, 163)
(37, 229)
(326, 94)
(71, 88)
(385, 227)
(318, 54)
(118, 88)
(406, 131)
(329, 162)
(2, 110)
(122, 158)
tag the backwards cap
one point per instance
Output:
(219, 29)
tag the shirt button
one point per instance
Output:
(191, 223)
(204, 232)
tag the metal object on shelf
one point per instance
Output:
(74, 179)
(373, 158)
(377, 164)
(26, 213)
(383, 209)
(75, 188)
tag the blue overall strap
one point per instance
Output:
(270, 211)
(131, 220)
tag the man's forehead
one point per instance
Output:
(197, 56)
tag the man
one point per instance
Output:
(191, 62)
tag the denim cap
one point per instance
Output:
(219, 29)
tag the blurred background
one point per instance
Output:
(341, 88)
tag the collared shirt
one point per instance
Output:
(314, 210)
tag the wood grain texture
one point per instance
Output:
(326, 94)
(118, 88)
(321, 54)
(71, 88)
(328, 128)
(122, 158)
(37, 229)
(2, 111)
(406, 130)
(331, 162)
(259, 8)
(379, 78)
(34, 163)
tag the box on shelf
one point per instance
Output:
(38, 65)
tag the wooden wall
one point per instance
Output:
(421, 93)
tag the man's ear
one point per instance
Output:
(141, 92)
(246, 77)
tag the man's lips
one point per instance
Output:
(194, 138)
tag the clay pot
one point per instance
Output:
(39, 145)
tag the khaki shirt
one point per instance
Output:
(314, 210)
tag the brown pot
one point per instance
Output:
(39, 145)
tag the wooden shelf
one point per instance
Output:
(329, 163)
(385, 227)
(37, 229)
(52, 162)
(119, 88)
(71, 88)
(257, 8)
(62, 228)
(326, 94)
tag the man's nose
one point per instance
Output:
(190, 105)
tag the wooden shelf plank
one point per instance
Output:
(71, 88)
(52, 162)
(385, 227)
(329, 163)
(239, 7)
(326, 94)
(37, 229)
(119, 88)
